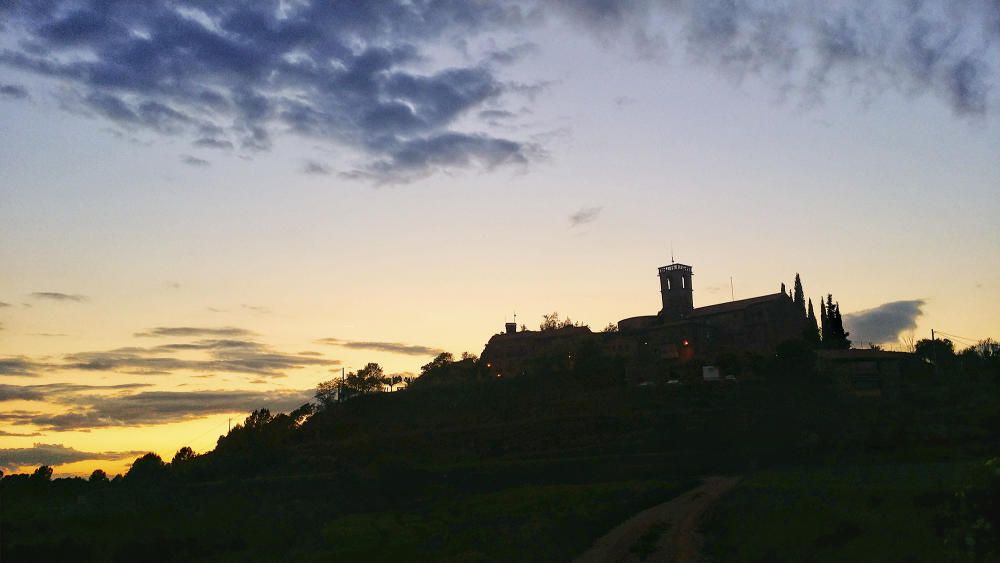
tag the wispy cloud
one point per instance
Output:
(193, 331)
(946, 49)
(89, 410)
(390, 347)
(61, 297)
(885, 323)
(194, 161)
(315, 168)
(20, 365)
(584, 216)
(228, 356)
(2, 304)
(13, 92)
(53, 454)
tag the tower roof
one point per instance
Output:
(673, 267)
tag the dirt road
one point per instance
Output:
(666, 532)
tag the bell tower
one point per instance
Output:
(676, 291)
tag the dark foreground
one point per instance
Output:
(539, 468)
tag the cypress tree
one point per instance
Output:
(799, 296)
(825, 334)
(812, 330)
(783, 292)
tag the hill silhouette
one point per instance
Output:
(469, 468)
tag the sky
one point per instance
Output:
(207, 208)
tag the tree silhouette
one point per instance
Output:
(552, 322)
(798, 295)
(146, 470)
(939, 351)
(42, 474)
(98, 477)
(328, 392)
(812, 334)
(184, 454)
(834, 336)
(441, 360)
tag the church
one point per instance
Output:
(673, 341)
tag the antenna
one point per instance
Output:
(671, 253)
(732, 289)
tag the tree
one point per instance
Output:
(42, 474)
(798, 295)
(328, 392)
(987, 349)
(939, 351)
(812, 334)
(258, 419)
(300, 414)
(147, 469)
(834, 336)
(439, 361)
(470, 356)
(98, 477)
(612, 327)
(369, 379)
(184, 454)
(552, 322)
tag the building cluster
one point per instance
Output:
(680, 341)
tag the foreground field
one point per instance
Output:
(884, 512)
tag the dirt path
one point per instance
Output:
(666, 532)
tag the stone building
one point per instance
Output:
(668, 344)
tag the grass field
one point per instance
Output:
(890, 512)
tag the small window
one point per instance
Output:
(668, 283)
(683, 283)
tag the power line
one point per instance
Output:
(973, 340)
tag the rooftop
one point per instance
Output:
(673, 267)
(736, 305)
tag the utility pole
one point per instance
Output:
(934, 349)
(732, 289)
(343, 381)
(230, 426)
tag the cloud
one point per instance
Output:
(884, 323)
(390, 347)
(584, 216)
(53, 454)
(2, 304)
(20, 365)
(59, 391)
(213, 143)
(19, 435)
(358, 75)
(156, 407)
(230, 356)
(315, 168)
(188, 331)
(194, 161)
(259, 309)
(13, 92)
(946, 49)
(62, 297)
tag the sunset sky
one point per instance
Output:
(207, 208)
